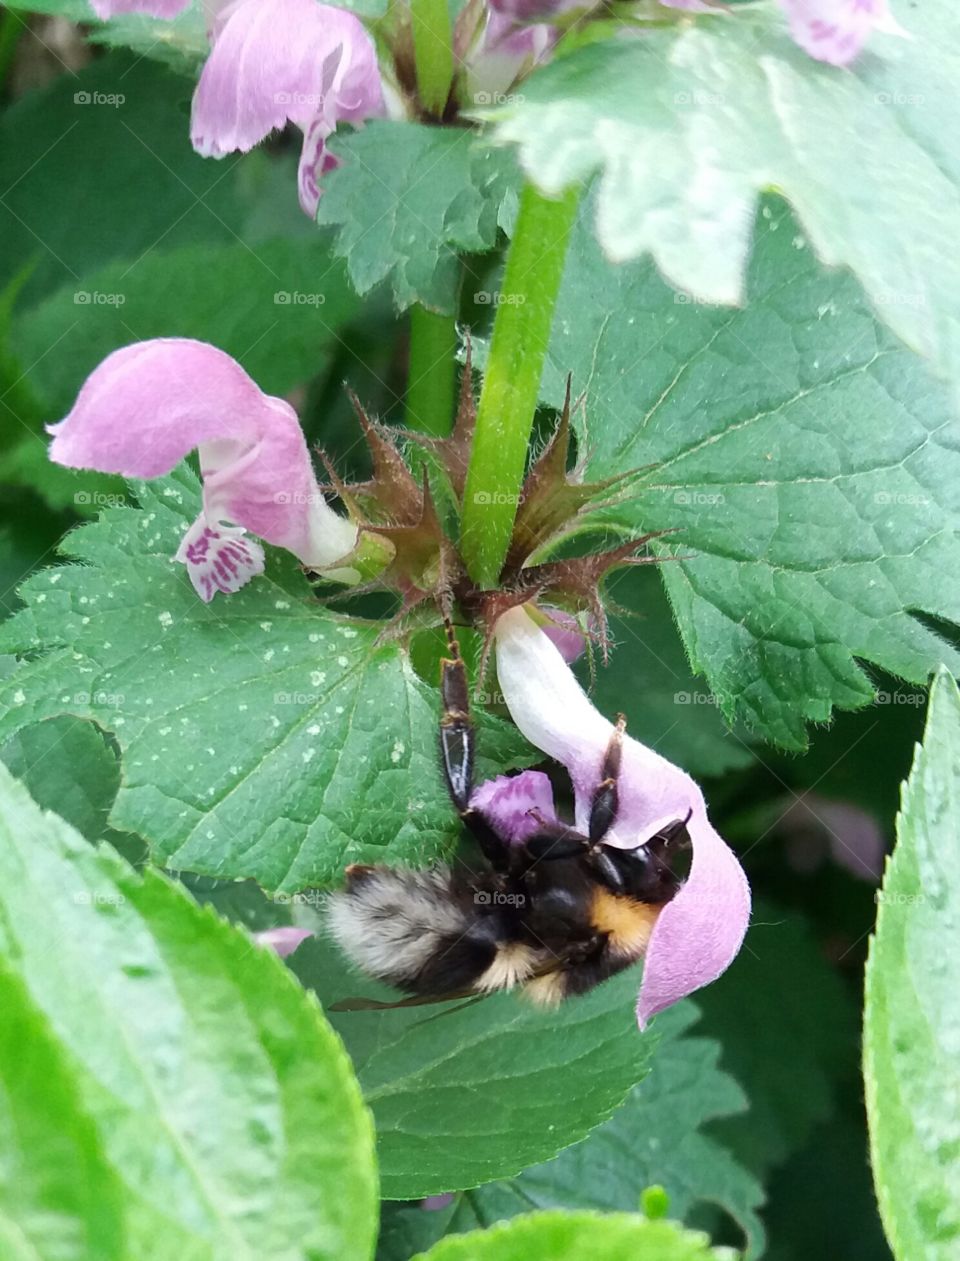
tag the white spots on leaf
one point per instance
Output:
(266, 626)
(397, 752)
(269, 654)
(317, 677)
(348, 632)
(19, 697)
(343, 661)
(55, 578)
(165, 619)
(281, 604)
(313, 729)
(308, 755)
(40, 597)
(165, 731)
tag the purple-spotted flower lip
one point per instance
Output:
(700, 931)
(148, 405)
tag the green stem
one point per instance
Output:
(511, 386)
(433, 52)
(432, 371)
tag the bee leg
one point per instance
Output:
(458, 750)
(603, 808)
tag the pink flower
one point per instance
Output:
(699, 932)
(146, 406)
(274, 62)
(283, 941)
(836, 30)
(503, 53)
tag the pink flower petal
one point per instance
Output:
(564, 632)
(147, 405)
(503, 53)
(282, 940)
(698, 934)
(219, 559)
(835, 31)
(106, 9)
(279, 61)
(507, 801)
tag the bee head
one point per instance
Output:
(652, 871)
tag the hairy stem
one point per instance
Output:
(511, 386)
(432, 371)
(432, 52)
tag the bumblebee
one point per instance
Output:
(555, 914)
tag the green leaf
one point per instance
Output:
(688, 125)
(654, 1138)
(464, 1093)
(578, 1237)
(407, 199)
(649, 679)
(221, 1099)
(261, 735)
(252, 302)
(911, 1058)
(59, 1198)
(786, 1024)
(808, 461)
(67, 766)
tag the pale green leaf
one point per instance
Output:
(578, 1237)
(59, 1198)
(912, 1015)
(222, 1101)
(688, 125)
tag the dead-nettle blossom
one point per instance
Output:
(148, 405)
(274, 62)
(836, 30)
(699, 932)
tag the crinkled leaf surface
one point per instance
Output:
(221, 1099)
(810, 463)
(59, 1198)
(261, 735)
(689, 125)
(407, 198)
(465, 1093)
(912, 1016)
(654, 1138)
(577, 1237)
